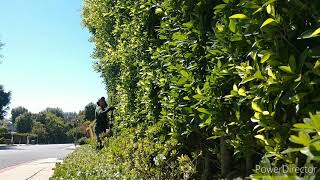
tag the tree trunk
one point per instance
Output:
(205, 166)
(225, 158)
(249, 164)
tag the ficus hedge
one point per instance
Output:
(220, 83)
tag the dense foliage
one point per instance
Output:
(24, 123)
(4, 96)
(208, 89)
(4, 102)
(89, 111)
(16, 112)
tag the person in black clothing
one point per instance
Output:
(102, 120)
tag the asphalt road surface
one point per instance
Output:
(15, 155)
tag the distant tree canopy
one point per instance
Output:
(40, 130)
(16, 112)
(24, 123)
(4, 102)
(51, 125)
(56, 111)
(70, 117)
(89, 111)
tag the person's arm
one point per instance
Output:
(110, 108)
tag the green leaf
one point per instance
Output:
(232, 26)
(258, 10)
(248, 79)
(242, 91)
(303, 126)
(213, 137)
(184, 73)
(258, 75)
(179, 36)
(286, 69)
(257, 115)
(188, 24)
(316, 120)
(203, 110)
(220, 27)
(158, 11)
(261, 137)
(235, 88)
(271, 74)
(208, 121)
(315, 33)
(302, 139)
(220, 6)
(198, 96)
(290, 150)
(238, 16)
(256, 107)
(186, 98)
(266, 22)
(265, 56)
(317, 64)
(292, 62)
(199, 90)
(308, 34)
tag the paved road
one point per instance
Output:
(15, 155)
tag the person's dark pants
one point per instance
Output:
(98, 132)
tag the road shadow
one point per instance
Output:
(8, 147)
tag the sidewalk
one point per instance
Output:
(35, 170)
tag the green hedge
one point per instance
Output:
(223, 82)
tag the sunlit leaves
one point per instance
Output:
(315, 33)
(238, 16)
(179, 36)
(256, 107)
(286, 69)
(267, 22)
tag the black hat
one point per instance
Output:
(102, 98)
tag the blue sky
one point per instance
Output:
(46, 58)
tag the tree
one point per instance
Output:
(56, 111)
(89, 111)
(3, 130)
(56, 129)
(24, 123)
(15, 112)
(4, 102)
(40, 130)
(70, 117)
